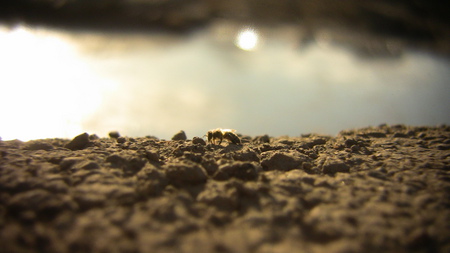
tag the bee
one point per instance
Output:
(220, 134)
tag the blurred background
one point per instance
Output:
(277, 67)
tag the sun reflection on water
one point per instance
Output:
(247, 39)
(46, 88)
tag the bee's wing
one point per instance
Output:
(229, 130)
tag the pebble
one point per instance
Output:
(38, 145)
(240, 170)
(121, 140)
(198, 140)
(279, 160)
(114, 134)
(185, 172)
(332, 166)
(262, 139)
(180, 136)
(376, 134)
(79, 142)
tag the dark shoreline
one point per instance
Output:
(419, 24)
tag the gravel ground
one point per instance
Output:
(376, 189)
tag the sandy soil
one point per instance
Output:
(378, 189)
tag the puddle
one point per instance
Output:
(275, 81)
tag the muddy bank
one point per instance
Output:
(377, 189)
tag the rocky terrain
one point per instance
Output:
(376, 189)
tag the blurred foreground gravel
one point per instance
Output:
(377, 189)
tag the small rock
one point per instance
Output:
(12, 144)
(180, 136)
(210, 166)
(285, 161)
(198, 140)
(262, 139)
(79, 142)
(114, 134)
(316, 141)
(185, 172)
(195, 157)
(223, 195)
(332, 166)
(121, 140)
(355, 148)
(150, 181)
(240, 170)
(38, 145)
(67, 162)
(400, 135)
(443, 147)
(377, 174)
(376, 134)
(93, 137)
(421, 135)
(85, 165)
(246, 155)
(285, 142)
(350, 142)
(128, 163)
(152, 156)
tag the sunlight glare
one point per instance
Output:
(247, 39)
(46, 88)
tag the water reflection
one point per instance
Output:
(247, 39)
(58, 84)
(46, 89)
